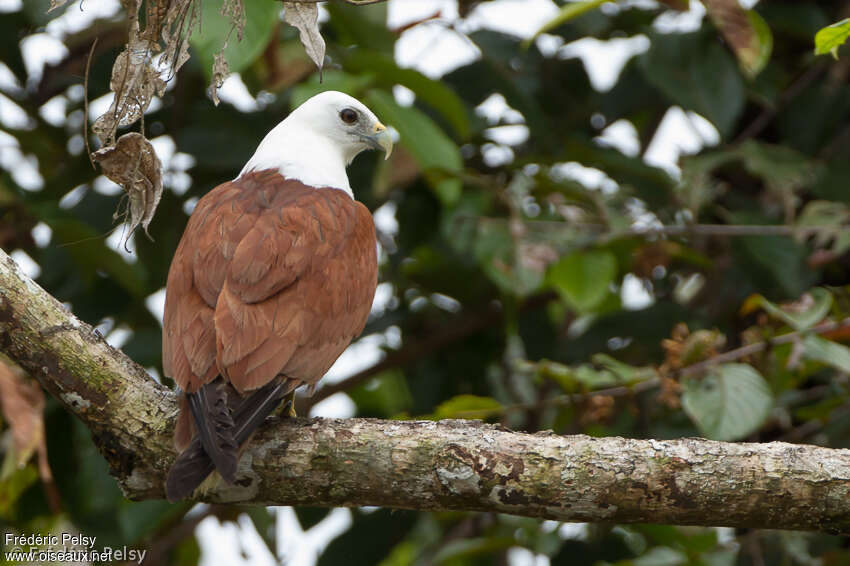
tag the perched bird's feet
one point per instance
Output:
(289, 409)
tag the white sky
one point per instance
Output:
(434, 48)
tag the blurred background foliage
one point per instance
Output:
(538, 269)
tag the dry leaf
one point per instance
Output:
(56, 4)
(182, 17)
(134, 79)
(235, 11)
(22, 403)
(220, 71)
(133, 164)
(305, 17)
(131, 161)
(135, 82)
(746, 32)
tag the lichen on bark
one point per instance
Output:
(425, 465)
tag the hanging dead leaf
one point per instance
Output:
(133, 164)
(135, 82)
(174, 27)
(22, 406)
(747, 33)
(220, 71)
(22, 403)
(56, 4)
(235, 11)
(305, 17)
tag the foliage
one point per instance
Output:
(510, 269)
(830, 38)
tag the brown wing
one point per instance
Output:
(296, 312)
(188, 339)
(270, 278)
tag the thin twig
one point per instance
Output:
(757, 347)
(86, 104)
(693, 369)
(769, 113)
(721, 230)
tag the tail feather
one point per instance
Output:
(189, 470)
(254, 409)
(194, 464)
(215, 426)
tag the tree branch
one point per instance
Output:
(459, 465)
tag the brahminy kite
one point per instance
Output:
(272, 279)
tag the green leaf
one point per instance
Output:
(363, 26)
(661, 556)
(436, 94)
(802, 315)
(460, 551)
(14, 483)
(651, 184)
(500, 255)
(754, 59)
(775, 264)
(435, 152)
(832, 218)
(830, 38)
(403, 554)
(567, 13)
(137, 519)
(573, 379)
(781, 167)
(91, 255)
(583, 278)
(467, 407)
(729, 402)
(827, 352)
(609, 373)
(626, 373)
(261, 17)
(331, 80)
(745, 31)
(697, 73)
(384, 395)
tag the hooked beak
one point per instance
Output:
(381, 138)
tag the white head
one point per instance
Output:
(319, 139)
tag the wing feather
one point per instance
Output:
(271, 278)
(271, 281)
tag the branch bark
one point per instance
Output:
(427, 465)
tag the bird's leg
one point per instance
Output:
(289, 406)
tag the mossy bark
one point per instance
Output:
(459, 465)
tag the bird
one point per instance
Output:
(273, 277)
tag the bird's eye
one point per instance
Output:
(348, 115)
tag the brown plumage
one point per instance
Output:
(271, 281)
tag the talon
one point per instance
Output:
(289, 407)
